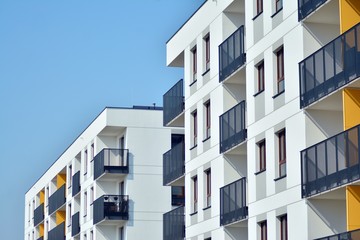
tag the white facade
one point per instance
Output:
(276, 41)
(141, 133)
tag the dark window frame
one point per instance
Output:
(263, 230)
(278, 5)
(259, 7)
(195, 193)
(194, 63)
(207, 52)
(282, 151)
(280, 70)
(207, 119)
(261, 76)
(208, 187)
(262, 155)
(283, 227)
(195, 127)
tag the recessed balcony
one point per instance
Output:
(233, 207)
(75, 224)
(39, 214)
(76, 184)
(111, 161)
(351, 235)
(174, 224)
(306, 7)
(233, 127)
(174, 105)
(57, 233)
(174, 164)
(331, 163)
(57, 199)
(232, 54)
(111, 207)
(330, 68)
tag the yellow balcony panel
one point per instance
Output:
(351, 106)
(349, 14)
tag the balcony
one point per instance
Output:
(57, 233)
(57, 199)
(352, 235)
(111, 207)
(232, 127)
(305, 7)
(231, 54)
(174, 163)
(174, 105)
(75, 224)
(39, 214)
(111, 161)
(233, 202)
(76, 184)
(174, 224)
(331, 67)
(331, 163)
(40, 238)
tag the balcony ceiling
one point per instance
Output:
(111, 131)
(236, 7)
(328, 13)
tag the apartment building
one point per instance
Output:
(270, 103)
(107, 184)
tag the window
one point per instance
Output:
(194, 115)
(195, 193)
(85, 204)
(177, 195)
(282, 153)
(194, 63)
(259, 6)
(207, 120)
(207, 52)
(92, 151)
(91, 195)
(283, 227)
(69, 215)
(278, 5)
(70, 176)
(280, 70)
(261, 77)
(85, 161)
(121, 233)
(262, 155)
(208, 187)
(91, 235)
(85, 236)
(263, 230)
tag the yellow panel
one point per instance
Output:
(42, 196)
(41, 230)
(349, 14)
(61, 180)
(351, 105)
(353, 207)
(60, 217)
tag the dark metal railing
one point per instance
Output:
(76, 184)
(331, 67)
(352, 235)
(57, 199)
(111, 160)
(331, 163)
(39, 214)
(177, 200)
(57, 233)
(173, 101)
(40, 238)
(233, 202)
(111, 207)
(232, 54)
(174, 224)
(174, 163)
(232, 127)
(75, 224)
(305, 7)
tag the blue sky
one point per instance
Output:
(61, 63)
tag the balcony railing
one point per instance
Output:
(308, 6)
(233, 202)
(112, 207)
(331, 67)
(57, 199)
(76, 184)
(231, 54)
(40, 238)
(174, 163)
(232, 127)
(57, 233)
(39, 214)
(112, 161)
(352, 235)
(331, 163)
(75, 224)
(177, 200)
(173, 101)
(174, 224)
